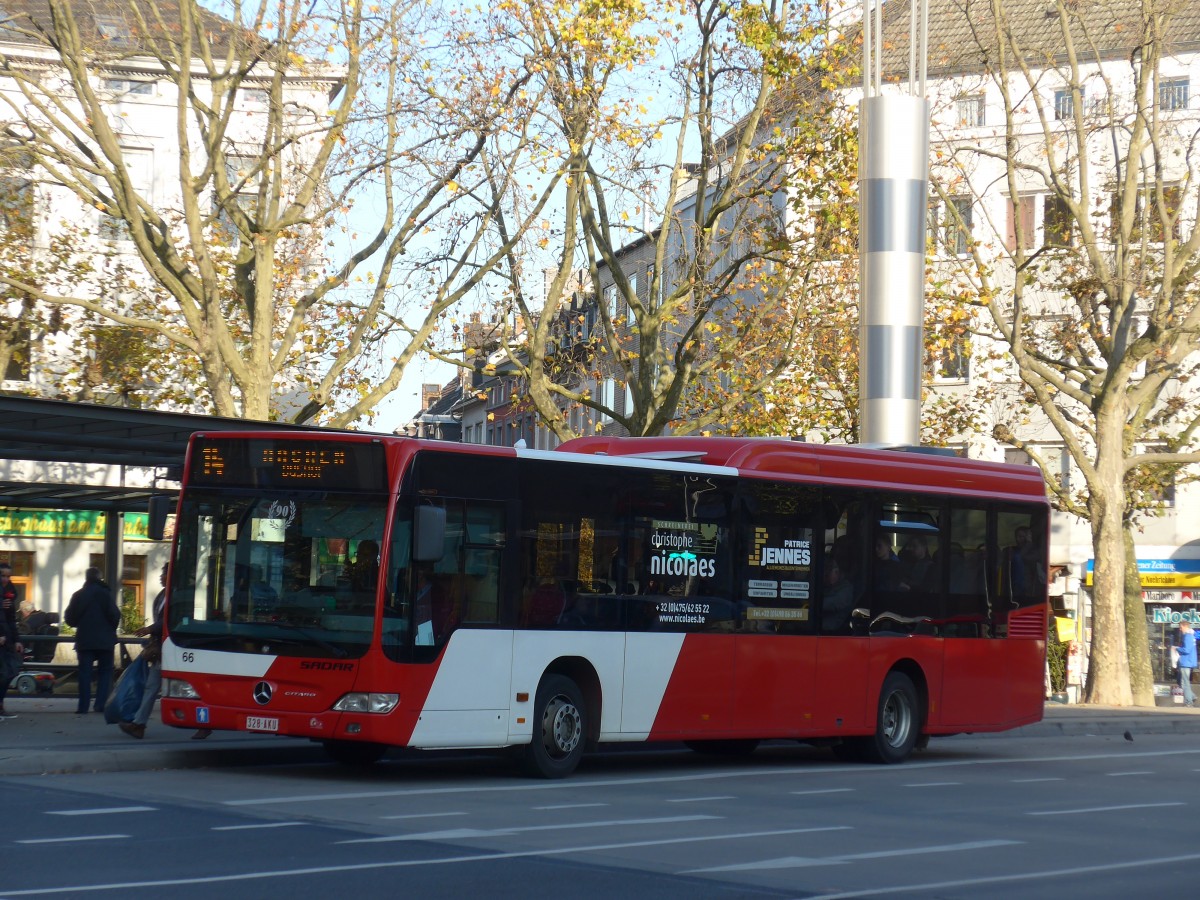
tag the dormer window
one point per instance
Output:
(113, 29)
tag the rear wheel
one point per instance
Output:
(897, 723)
(26, 684)
(559, 728)
(355, 753)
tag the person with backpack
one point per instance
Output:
(94, 615)
(152, 654)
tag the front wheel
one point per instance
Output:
(356, 754)
(559, 727)
(897, 723)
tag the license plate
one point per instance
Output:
(259, 723)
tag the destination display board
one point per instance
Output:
(282, 462)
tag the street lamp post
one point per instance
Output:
(893, 187)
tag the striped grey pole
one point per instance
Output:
(893, 186)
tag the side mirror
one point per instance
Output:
(429, 538)
(158, 509)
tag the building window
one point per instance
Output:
(1057, 222)
(1020, 212)
(113, 30)
(127, 86)
(1148, 220)
(952, 224)
(1064, 104)
(255, 96)
(969, 110)
(16, 212)
(612, 301)
(952, 357)
(1173, 93)
(113, 227)
(243, 185)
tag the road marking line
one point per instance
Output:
(920, 889)
(826, 791)
(1122, 774)
(66, 840)
(109, 810)
(581, 783)
(1096, 809)
(700, 799)
(408, 863)
(425, 815)
(457, 834)
(570, 806)
(258, 825)
(795, 862)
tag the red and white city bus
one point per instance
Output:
(370, 592)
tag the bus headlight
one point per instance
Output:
(179, 689)
(380, 704)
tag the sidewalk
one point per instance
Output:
(48, 737)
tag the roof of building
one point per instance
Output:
(124, 31)
(958, 29)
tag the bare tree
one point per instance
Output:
(675, 224)
(321, 216)
(1097, 306)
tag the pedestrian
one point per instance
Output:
(94, 615)
(11, 648)
(152, 654)
(1187, 661)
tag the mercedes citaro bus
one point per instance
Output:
(372, 591)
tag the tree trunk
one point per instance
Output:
(1141, 679)
(1108, 668)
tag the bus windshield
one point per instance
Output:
(264, 572)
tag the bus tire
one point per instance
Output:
(357, 754)
(897, 723)
(559, 729)
(728, 747)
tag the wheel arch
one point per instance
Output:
(916, 675)
(584, 674)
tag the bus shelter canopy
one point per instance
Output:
(83, 434)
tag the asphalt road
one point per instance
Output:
(1082, 815)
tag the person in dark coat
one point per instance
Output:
(94, 615)
(11, 648)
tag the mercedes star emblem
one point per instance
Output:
(262, 693)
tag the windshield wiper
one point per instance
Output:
(301, 630)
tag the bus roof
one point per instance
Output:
(831, 463)
(843, 464)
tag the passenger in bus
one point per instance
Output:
(544, 604)
(423, 607)
(252, 593)
(886, 566)
(915, 564)
(364, 571)
(837, 599)
(1023, 564)
(580, 612)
